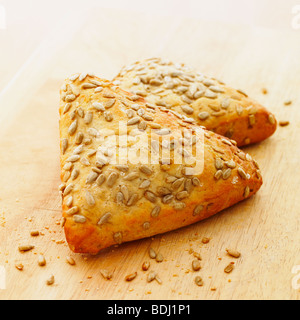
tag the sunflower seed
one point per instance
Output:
(122, 167)
(182, 195)
(100, 180)
(133, 121)
(69, 201)
(67, 107)
(131, 176)
(219, 164)
(98, 106)
(73, 127)
(70, 97)
(145, 184)
(78, 149)
(150, 196)
(170, 179)
(247, 192)
(72, 211)
(187, 109)
(225, 103)
(78, 137)
(112, 178)
(177, 183)
(198, 209)
(66, 176)
(79, 218)
(119, 198)
(242, 173)
(68, 189)
(195, 182)
(251, 120)
(163, 132)
(88, 86)
(74, 174)
(82, 76)
(163, 191)
(167, 199)
(146, 225)
(89, 199)
(85, 161)
(226, 174)
(88, 118)
(155, 212)
(179, 205)
(203, 115)
(146, 170)
(230, 164)
(104, 219)
(271, 119)
(109, 103)
(188, 185)
(118, 237)
(64, 145)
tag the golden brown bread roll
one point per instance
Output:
(206, 101)
(131, 171)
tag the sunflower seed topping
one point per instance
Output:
(104, 219)
(89, 199)
(79, 218)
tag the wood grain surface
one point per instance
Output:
(264, 228)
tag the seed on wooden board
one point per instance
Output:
(159, 257)
(70, 260)
(131, 277)
(199, 281)
(233, 253)
(151, 276)
(205, 240)
(152, 253)
(104, 219)
(145, 265)
(19, 266)
(107, 275)
(284, 123)
(229, 268)
(90, 199)
(158, 279)
(41, 260)
(118, 237)
(150, 196)
(155, 211)
(50, 281)
(26, 247)
(196, 265)
(34, 233)
(79, 218)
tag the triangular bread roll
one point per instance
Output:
(165, 181)
(206, 101)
